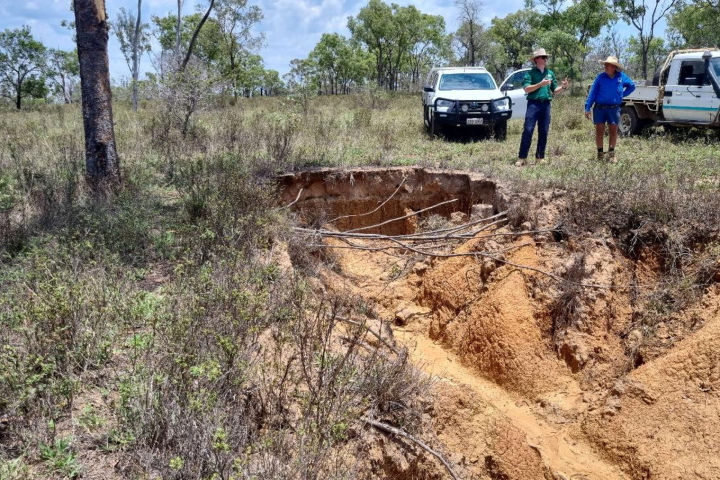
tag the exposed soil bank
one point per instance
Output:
(537, 378)
(327, 194)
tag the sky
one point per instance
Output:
(291, 27)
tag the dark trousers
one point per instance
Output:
(537, 112)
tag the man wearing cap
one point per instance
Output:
(605, 97)
(540, 85)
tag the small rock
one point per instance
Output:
(526, 226)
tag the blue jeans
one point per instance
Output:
(537, 112)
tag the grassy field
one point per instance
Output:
(130, 327)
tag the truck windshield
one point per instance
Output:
(466, 81)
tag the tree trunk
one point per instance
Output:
(18, 95)
(101, 160)
(195, 34)
(135, 59)
(177, 32)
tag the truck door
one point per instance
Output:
(512, 87)
(691, 97)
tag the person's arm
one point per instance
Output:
(591, 97)
(628, 85)
(529, 88)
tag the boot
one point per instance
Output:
(611, 156)
(600, 156)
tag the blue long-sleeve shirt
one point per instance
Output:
(609, 91)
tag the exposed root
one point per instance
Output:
(401, 433)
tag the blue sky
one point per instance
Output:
(291, 27)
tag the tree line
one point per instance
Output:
(392, 46)
(224, 46)
(389, 45)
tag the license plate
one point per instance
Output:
(475, 121)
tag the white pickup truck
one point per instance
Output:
(464, 98)
(685, 92)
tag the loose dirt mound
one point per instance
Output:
(537, 342)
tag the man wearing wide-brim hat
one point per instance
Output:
(605, 98)
(540, 85)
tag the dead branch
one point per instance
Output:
(294, 201)
(375, 334)
(419, 236)
(458, 227)
(378, 207)
(403, 217)
(401, 433)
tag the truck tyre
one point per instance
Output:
(426, 118)
(629, 124)
(500, 130)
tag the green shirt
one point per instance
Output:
(536, 76)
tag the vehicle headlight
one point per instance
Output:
(502, 105)
(484, 107)
(444, 105)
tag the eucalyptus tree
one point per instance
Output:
(469, 34)
(392, 35)
(101, 159)
(134, 39)
(22, 59)
(236, 21)
(695, 23)
(62, 70)
(644, 16)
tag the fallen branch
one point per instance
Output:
(359, 229)
(294, 201)
(401, 433)
(375, 334)
(378, 207)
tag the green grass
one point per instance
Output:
(176, 359)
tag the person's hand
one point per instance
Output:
(544, 81)
(587, 115)
(564, 84)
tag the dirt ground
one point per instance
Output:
(541, 367)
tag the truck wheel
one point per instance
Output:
(629, 124)
(500, 130)
(426, 119)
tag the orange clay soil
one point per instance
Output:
(523, 393)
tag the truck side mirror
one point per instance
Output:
(507, 86)
(428, 88)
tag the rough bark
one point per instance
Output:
(101, 160)
(18, 95)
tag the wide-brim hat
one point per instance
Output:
(612, 61)
(540, 52)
